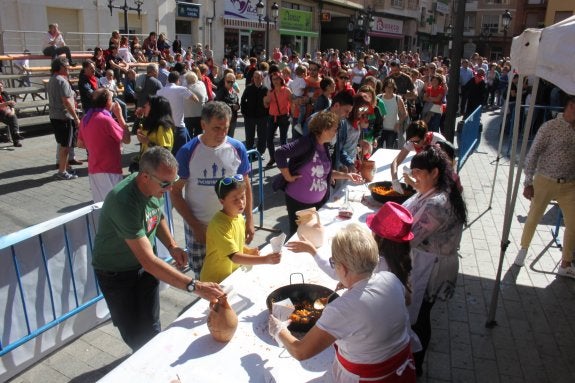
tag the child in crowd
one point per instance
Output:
(298, 87)
(226, 233)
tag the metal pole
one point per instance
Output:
(504, 41)
(456, 54)
(125, 17)
(267, 38)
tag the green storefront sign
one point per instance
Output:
(295, 22)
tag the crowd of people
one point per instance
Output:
(341, 108)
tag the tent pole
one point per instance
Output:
(501, 135)
(514, 187)
(491, 322)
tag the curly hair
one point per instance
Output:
(323, 121)
(433, 157)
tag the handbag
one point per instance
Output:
(436, 108)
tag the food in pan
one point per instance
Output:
(304, 313)
(385, 191)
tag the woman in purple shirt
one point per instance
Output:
(306, 167)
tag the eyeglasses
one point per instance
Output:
(331, 262)
(164, 184)
(227, 181)
(230, 82)
(416, 142)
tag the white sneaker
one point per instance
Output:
(298, 128)
(568, 271)
(520, 259)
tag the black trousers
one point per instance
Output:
(12, 121)
(133, 298)
(53, 52)
(253, 126)
(423, 330)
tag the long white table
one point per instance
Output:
(185, 349)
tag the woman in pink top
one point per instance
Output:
(102, 136)
(278, 101)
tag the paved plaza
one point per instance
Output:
(534, 340)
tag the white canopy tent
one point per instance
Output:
(544, 53)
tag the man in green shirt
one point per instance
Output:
(125, 260)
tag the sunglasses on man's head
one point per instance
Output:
(227, 181)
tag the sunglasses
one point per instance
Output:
(227, 181)
(164, 184)
(230, 82)
(331, 262)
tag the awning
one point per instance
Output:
(298, 33)
(345, 3)
(246, 24)
(386, 35)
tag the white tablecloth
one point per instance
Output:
(185, 349)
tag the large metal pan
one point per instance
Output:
(408, 192)
(300, 293)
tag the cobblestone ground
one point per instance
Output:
(535, 335)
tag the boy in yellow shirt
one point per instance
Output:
(225, 236)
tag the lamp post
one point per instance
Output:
(506, 19)
(449, 32)
(363, 24)
(261, 17)
(126, 8)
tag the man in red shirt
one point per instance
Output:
(206, 80)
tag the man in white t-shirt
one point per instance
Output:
(202, 161)
(417, 138)
(177, 96)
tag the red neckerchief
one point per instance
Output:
(93, 82)
(426, 142)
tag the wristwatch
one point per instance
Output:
(191, 287)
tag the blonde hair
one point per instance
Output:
(355, 247)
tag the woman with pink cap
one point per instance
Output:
(368, 324)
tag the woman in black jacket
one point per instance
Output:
(228, 95)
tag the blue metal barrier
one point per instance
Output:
(34, 254)
(468, 137)
(259, 207)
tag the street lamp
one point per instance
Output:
(449, 32)
(261, 17)
(506, 19)
(363, 24)
(126, 8)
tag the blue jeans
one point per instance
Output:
(181, 136)
(133, 298)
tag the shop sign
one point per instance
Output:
(442, 7)
(240, 9)
(189, 10)
(325, 17)
(388, 26)
(296, 20)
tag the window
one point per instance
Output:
(183, 27)
(490, 23)
(297, 6)
(502, 2)
(469, 22)
(423, 13)
(397, 3)
(413, 4)
(562, 15)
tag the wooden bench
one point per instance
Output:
(41, 106)
(25, 122)
(35, 91)
(47, 69)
